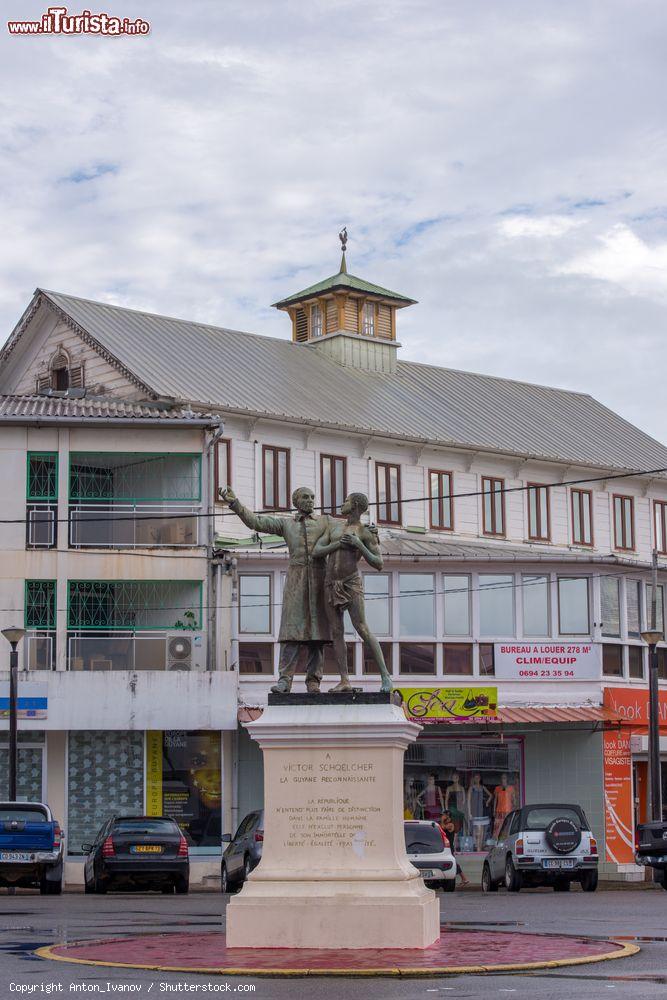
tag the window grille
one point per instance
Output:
(40, 604)
(42, 476)
(134, 605)
(99, 476)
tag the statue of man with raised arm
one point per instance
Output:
(304, 623)
(344, 543)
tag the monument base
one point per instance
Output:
(334, 871)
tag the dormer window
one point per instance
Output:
(62, 375)
(368, 319)
(316, 321)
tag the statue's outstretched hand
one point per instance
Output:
(227, 495)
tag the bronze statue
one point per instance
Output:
(304, 622)
(344, 543)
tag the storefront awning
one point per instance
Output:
(557, 713)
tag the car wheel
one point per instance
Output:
(512, 876)
(448, 885)
(47, 888)
(488, 885)
(182, 886)
(562, 885)
(589, 881)
(227, 885)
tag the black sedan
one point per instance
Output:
(138, 852)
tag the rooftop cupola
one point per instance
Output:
(350, 320)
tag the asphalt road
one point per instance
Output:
(28, 921)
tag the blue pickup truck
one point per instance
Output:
(31, 847)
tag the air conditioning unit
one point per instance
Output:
(186, 651)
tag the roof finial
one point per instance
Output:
(342, 236)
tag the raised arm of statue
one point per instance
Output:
(271, 524)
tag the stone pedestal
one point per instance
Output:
(334, 872)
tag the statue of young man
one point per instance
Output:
(345, 542)
(304, 622)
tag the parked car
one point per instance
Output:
(31, 847)
(651, 847)
(428, 850)
(138, 852)
(243, 853)
(549, 844)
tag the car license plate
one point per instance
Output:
(558, 863)
(427, 873)
(14, 856)
(146, 849)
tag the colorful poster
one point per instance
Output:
(183, 780)
(547, 661)
(619, 836)
(459, 704)
(632, 705)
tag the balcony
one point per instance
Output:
(133, 525)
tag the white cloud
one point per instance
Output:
(623, 259)
(544, 227)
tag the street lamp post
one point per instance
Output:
(652, 637)
(13, 637)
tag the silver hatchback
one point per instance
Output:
(548, 845)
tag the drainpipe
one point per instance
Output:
(211, 575)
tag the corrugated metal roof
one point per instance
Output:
(63, 407)
(556, 713)
(264, 376)
(343, 280)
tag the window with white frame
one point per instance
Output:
(535, 596)
(659, 608)
(377, 602)
(457, 604)
(316, 321)
(538, 512)
(417, 604)
(573, 605)
(368, 319)
(255, 603)
(633, 604)
(610, 605)
(496, 605)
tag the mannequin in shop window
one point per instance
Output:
(479, 799)
(455, 804)
(504, 800)
(411, 808)
(431, 800)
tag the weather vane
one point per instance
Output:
(342, 236)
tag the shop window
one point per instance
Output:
(377, 603)
(493, 506)
(660, 515)
(662, 663)
(223, 466)
(538, 512)
(256, 658)
(417, 658)
(333, 479)
(440, 502)
(417, 601)
(496, 605)
(330, 665)
(184, 781)
(276, 478)
(624, 522)
(659, 607)
(369, 666)
(457, 604)
(477, 781)
(388, 492)
(612, 660)
(633, 601)
(29, 770)
(487, 667)
(582, 517)
(535, 594)
(636, 662)
(610, 602)
(254, 603)
(573, 612)
(105, 776)
(457, 658)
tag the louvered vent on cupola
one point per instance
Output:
(301, 326)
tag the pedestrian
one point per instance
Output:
(449, 826)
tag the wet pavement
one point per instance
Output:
(28, 921)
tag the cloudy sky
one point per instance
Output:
(502, 161)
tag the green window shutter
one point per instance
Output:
(40, 604)
(42, 478)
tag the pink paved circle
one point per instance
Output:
(208, 953)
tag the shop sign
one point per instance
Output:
(619, 839)
(447, 704)
(547, 661)
(632, 705)
(32, 701)
(183, 780)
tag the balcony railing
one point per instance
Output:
(133, 525)
(127, 651)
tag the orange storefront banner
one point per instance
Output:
(631, 704)
(618, 812)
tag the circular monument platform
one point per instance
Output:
(456, 952)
